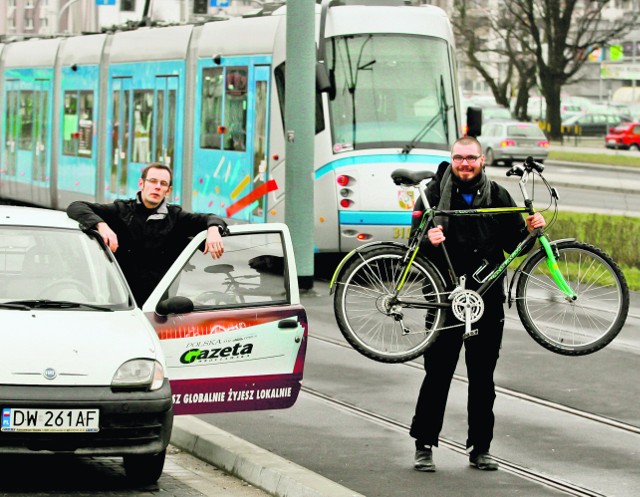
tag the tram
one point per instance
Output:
(83, 114)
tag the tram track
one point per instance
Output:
(514, 394)
(519, 470)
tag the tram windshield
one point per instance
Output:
(391, 91)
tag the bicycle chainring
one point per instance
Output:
(470, 298)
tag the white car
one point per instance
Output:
(84, 371)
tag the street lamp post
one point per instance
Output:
(66, 6)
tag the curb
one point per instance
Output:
(259, 467)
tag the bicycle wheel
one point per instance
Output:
(368, 315)
(577, 327)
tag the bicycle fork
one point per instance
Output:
(552, 264)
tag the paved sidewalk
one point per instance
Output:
(261, 468)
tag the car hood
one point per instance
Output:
(84, 348)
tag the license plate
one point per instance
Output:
(50, 420)
(612, 142)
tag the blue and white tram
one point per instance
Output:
(84, 114)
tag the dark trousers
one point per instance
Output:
(481, 356)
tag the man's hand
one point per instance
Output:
(436, 236)
(213, 244)
(108, 236)
(535, 221)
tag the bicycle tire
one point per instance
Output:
(585, 325)
(361, 305)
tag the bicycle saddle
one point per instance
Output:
(410, 178)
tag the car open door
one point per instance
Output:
(233, 330)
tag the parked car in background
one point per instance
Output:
(495, 112)
(592, 124)
(508, 141)
(625, 136)
(569, 107)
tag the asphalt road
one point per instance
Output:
(562, 423)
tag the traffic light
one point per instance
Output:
(200, 6)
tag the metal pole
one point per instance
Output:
(300, 133)
(66, 6)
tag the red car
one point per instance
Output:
(625, 135)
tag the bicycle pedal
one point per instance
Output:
(469, 334)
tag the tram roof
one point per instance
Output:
(239, 36)
(144, 44)
(85, 49)
(32, 53)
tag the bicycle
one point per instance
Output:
(390, 301)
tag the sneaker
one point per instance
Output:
(483, 461)
(424, 460)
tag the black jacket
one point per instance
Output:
(149, 240)
(472, 239)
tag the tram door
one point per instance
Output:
(39, 173)
(40, 113)
(164, 129)
(12, 128)
(118, 177)
(260, 143)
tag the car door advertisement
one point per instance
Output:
(240, 342)
(241, 360)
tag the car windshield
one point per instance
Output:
(391, 90)
(518, 130)
(60, 265)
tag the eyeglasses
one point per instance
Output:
(471, 159)
(155, 182)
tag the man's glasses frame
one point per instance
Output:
(155, 181)
(471, 159)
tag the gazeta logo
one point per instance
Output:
(197, 355)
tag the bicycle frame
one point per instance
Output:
(428, 221)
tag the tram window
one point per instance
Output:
(142, 122)
(279, 74)
(235, 108)
(211, 111)
(77, 124)
(26, 120)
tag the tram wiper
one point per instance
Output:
(440, 116)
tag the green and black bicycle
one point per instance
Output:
(390, 302)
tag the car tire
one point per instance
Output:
(489, 157)
(144, 469)
(634, 146)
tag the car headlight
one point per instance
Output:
(139, 373)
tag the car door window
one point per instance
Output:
(251, 272)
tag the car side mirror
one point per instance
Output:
(474, 121)
(174, 305)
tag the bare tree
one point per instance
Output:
(474, 23)
(472, 31)
(562, 32)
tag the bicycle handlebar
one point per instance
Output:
(527, 166)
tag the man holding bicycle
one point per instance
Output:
(471, 243)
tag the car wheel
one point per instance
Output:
(489, 157)
(634, 146)
(144, 469)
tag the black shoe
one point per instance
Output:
(424, 460)
(483, 461)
